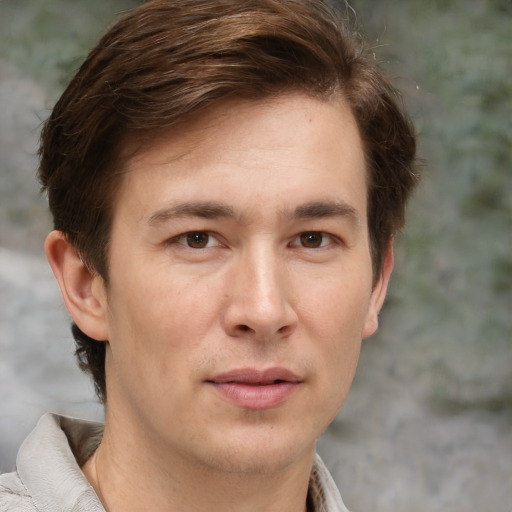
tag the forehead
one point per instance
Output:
(292, 144)
(209, 126)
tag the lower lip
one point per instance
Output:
(256, 397)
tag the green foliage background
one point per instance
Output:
(453, 285)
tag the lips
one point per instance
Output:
(249, 388)
(256, 377)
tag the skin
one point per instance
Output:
(238, 241)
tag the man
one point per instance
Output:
(226, 179)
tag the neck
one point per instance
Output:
(130, 474)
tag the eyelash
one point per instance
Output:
(186, 239)
(302, 237)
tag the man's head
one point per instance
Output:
(167, 62)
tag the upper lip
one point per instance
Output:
(254, 376)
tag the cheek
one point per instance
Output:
(149, 349)
(156, 319)
(334, 321)
(339, 361)
(335, 308)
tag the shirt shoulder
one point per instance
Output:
(48, 477)
(322, 489)
(14, 496)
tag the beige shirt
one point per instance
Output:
(48, 476)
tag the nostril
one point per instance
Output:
(284, 330)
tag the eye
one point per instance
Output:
(313, 239)
(197, 240)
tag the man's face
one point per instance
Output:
(240, 284)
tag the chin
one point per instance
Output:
(259, 453)
(262, 463)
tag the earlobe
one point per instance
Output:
(83, 292)
(379, 294)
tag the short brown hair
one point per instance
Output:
(168, 59)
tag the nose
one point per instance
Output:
(259, 294)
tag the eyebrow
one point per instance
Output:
(320, 209)
(203, 209)
(213, 210)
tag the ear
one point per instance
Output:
(83, 292)
(379, 293)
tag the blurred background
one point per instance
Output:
(428, 423)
